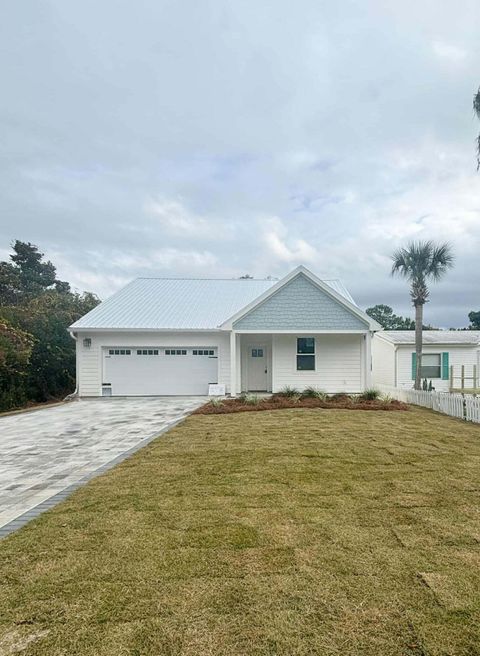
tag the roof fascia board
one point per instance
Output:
(465, 344)
(303, 331)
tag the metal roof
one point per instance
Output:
(464, 337)
(178, 303)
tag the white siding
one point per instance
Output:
(338, 363)
(90, 359)
(383, 362)
(458, 355)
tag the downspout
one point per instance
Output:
(74, 394)
(395, 365)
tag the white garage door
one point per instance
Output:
(135, 371)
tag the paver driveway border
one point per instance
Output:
(57, 497)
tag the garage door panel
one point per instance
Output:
(159, 375)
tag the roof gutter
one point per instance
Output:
(133, 329)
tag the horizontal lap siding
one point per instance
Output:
(383, 362)
(338, 363)
(90, 359)
(458, 355)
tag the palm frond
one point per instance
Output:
(476, 109)
(399, 265)
(476, 103)
(419, 261)
(441, 260)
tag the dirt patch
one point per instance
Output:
(337, 402)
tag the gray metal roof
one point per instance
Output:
(178, 303)
(464, 337)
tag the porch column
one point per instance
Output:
(233, 363)
(368, 360)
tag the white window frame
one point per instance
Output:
(439, 377)
(314, 354)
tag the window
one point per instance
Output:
(257, 353)
(175, 352)
(306, 354)
(119, 351)
(203, 352)
(431, 365)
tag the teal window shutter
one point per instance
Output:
(445, 366)
(414, 365)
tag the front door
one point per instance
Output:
(257, 369)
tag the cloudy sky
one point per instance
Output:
(217, 138)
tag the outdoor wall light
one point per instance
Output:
(87, 342)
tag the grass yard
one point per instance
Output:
(285, 533)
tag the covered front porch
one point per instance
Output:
(330, 361)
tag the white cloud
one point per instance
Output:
(284, 249)
(449, 52)
(174, 217)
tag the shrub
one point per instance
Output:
(369, 395)
(217, 402)
(313, 393)
(251, 399)
(340, 396)
(288, 391)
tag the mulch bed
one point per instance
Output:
(338, 402)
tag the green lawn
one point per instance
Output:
(293, 532)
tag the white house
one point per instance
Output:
(394, 360)
(176, 336)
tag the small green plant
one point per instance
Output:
(340, 396)
(251, 399)
(313, 393)
(370, 395)
(217, 402)
(288, 391)
(387, 398)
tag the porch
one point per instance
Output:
(331, 361)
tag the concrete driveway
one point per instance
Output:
(46, 453)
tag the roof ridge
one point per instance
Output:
(227, 279)
(213, 279)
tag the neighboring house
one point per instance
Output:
(175, 337)
(394, 359)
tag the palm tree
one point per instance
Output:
(420, 262)
(476, 109)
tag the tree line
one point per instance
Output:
(386, 317)
(37, 355)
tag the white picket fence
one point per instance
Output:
(456, 405)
